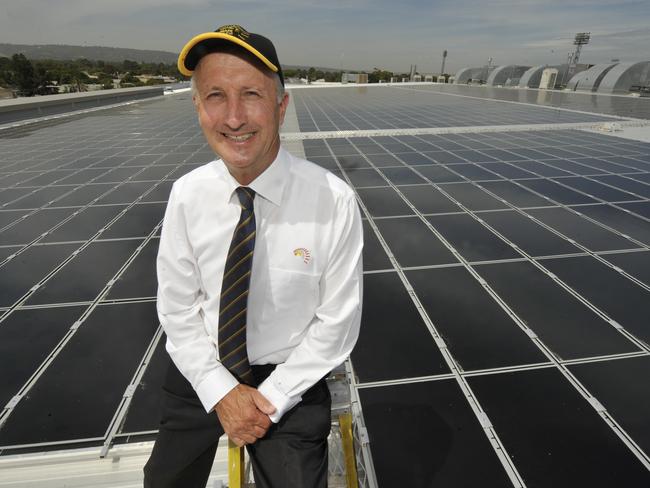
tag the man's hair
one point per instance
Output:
(231, 49)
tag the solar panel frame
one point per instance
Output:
(137, 153)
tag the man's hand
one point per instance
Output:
(244, 414)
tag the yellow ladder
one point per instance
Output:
(236, 461)
(235, 465)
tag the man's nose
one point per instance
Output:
(235, 113)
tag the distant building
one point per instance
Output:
(157, 78)
(626, 78)
(354, 78)
(532, 77)
(590, 79)
(473, 75)
(548, 79)
(507, 75)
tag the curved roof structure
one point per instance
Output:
(532, 77)
(624, 75)
(576, 80)
(464, 75)
(502, 74)
(563, 73)
(590, 79)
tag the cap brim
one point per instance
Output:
(218, 35)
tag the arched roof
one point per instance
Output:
(503, 73)
(590, 79)
(465, 74)
(623, 76)
(532, 77)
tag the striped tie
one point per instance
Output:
(234, 292)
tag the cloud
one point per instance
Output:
(354, 33)
(643, 33)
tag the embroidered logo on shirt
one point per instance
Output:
(303, 253)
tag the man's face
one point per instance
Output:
(239, 113)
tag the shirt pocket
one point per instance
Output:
(291, 298)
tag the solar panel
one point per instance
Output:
(505, 322)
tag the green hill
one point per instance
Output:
(64, 52)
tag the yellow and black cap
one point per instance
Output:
(208, 42)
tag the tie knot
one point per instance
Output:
(246, 197)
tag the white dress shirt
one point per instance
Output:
(304, 304)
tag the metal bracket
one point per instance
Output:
(484, 420)
(597, 405)
(615, 324)
(13, 402)
(363, 435)
(530, 333)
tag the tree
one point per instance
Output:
(333, 76)
(130, 80)
(38, 77)
(109, 69)
(24, 76)
(131, 66)
(378, 75)
(6, 73)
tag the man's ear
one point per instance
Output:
(283, 106)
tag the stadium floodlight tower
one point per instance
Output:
(444, 58)
(580, 40)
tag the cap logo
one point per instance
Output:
(234, 30)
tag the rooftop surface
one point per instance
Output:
(507, 277)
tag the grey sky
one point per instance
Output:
(351, 34)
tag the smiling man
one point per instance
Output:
(259, 281)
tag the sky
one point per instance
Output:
(352, 34)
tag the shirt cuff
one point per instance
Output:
(214, 387)
(282, 403)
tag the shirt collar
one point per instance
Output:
(269, 185)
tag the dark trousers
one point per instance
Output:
(293, 454)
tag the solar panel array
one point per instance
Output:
(507, 281)
(82, 203)
(367, 108)
(505, 326)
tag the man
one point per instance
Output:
(259, 281)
